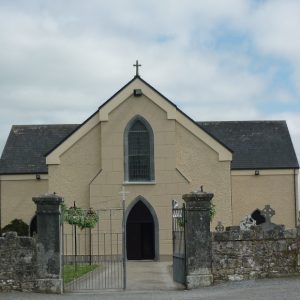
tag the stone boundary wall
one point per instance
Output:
(18, 267)
(255, 253)
(34, 264)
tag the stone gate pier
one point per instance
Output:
(33, 264)
(198, 240)
(49, 241)
(236, 252)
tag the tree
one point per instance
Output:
(77, 216)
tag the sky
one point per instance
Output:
(216, 59)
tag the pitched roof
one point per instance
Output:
(256, 144)
(27, 144)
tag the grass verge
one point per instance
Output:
(71, 273)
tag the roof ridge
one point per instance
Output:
(250, 121)
(58, 124)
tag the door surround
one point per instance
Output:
(155, 221)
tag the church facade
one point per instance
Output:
(139, 139)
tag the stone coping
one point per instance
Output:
(257, 233)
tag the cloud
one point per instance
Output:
(217, 60)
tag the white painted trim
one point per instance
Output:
(139, 182)
(20, 177)
(172, 114)
(128, 91)
(224, 154)
(263, 172)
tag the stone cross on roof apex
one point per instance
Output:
(137, 65)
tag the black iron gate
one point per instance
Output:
(178, 231)
(94, 258)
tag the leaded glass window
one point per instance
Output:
(139, 152)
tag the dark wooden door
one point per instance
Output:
(140, 233)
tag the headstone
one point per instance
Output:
(268, 212)
(247, 223)
(220, 227)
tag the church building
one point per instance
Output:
(141, 140)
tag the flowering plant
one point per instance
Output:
(80, 217)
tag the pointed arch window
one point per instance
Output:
(139, 151)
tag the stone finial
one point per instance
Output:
(194, 198)
(220, 227)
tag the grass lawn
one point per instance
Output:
(70, 273)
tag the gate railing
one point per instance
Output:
(179, 244)
(95, 256)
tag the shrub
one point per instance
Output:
(18, 226)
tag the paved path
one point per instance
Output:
(141, 275)
(264, 289)
(150, 275)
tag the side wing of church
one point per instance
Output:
(141, 140)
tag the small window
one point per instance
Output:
(138, 151)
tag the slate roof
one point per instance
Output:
(256, 144)
(26, 145)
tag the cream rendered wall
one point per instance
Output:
(16, 198)
(168, 182)
(79, 165)
(200, 164)
(172, 145)
(250, 192)
(91, 171)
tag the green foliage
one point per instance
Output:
(18, 226)
(80, 217)
(72, 272)
(212, 211)
(74, 215)
(90, 219)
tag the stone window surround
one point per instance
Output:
(126, 164)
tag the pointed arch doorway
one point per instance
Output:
(141, 231)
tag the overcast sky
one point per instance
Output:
(215, 59)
